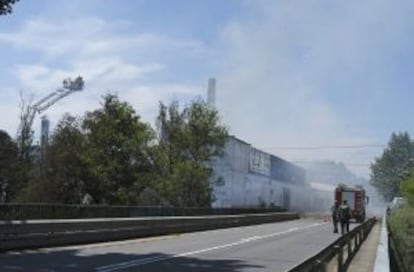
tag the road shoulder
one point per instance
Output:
(364, 260)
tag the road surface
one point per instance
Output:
(267, 247)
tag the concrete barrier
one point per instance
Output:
(31, 211)
(45, 233)
(382, 260)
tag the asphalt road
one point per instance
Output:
(267, 247)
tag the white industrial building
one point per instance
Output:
(248, 177)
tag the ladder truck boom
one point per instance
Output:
(69, 86)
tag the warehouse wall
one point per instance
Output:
(248, 177)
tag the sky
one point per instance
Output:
(304, 79)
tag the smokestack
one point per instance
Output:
(44, 137)
(211, 92)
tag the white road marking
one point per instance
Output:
(251, 238)
(148, 260)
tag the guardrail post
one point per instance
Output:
(356, 243)
(349, 248)
(362, 234)
(364, 231)
(340, 254)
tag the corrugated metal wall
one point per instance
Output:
(247, 177)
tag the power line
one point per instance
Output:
(347, 163)
(325, 147)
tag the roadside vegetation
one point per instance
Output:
(401, 228)
(110, 156)
(6, 6)
(393, 176)
(394, 166)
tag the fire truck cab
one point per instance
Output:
(356, 199)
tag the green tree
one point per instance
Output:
(15, 172)
(63, 164)
(57, 177)
(395, 165)
(189, 139)
(407, 189)
(6, 6)
(117, 153)
(25, 132)
(190, 185)
(8, 164)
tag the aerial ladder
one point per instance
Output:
(29, 112)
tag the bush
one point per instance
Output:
(401, 226)
(407, 190)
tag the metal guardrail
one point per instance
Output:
(338, 255)
(42, 233)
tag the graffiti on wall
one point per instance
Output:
(259, 162)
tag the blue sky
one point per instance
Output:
(289, 73)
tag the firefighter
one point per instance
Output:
(335, 216)
(344, 215)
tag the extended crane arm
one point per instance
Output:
(42, 107)
(69, 87)
(43, 104)
(44, 99)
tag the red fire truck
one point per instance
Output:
(356, 199)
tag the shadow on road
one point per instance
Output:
(74, 260)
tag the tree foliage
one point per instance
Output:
(407, 189)
(55, 177)
(63, 165)
(6, 6)
(394, 166)
(25, 132)
(115, 158)
(189, 138)
(117, 152)
(8, 164)
(15, 172)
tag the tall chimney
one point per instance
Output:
(44, 136)
(211, 92)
